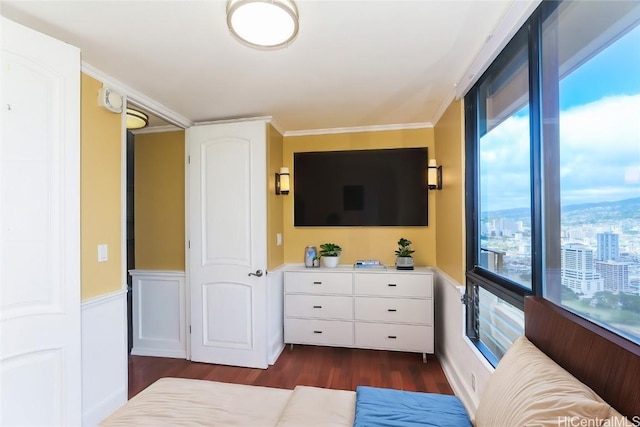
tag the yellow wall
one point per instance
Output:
(100, 193)
(450, 246)
(359, 242)
(159, 201)
(275, 253)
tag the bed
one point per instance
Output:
(563, 372)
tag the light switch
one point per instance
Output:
(278, 239)
(103, 253)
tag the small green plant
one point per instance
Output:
(330, 249)
(404, 249)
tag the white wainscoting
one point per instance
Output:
(275, 314)
(159, 321)
(104, 356)
(457, 355)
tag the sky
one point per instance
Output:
(599, 136)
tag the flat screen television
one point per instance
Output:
(361, 188)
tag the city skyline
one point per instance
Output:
(599, 135)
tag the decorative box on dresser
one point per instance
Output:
(347, 307)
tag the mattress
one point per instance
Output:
(319, 407)
(183, 402)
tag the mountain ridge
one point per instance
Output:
(515, 213)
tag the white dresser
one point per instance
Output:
(345, 307)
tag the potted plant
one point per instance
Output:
(330, 253)
(404, 260)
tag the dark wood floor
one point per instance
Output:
(328, 367)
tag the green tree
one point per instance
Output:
(606, 299)
(630, 302)
(567, 294)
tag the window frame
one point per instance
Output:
(477, 276)
(545, 192)
(545, 222)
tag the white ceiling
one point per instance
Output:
(354, 62)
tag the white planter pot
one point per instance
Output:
(330, 261)
(404, 263)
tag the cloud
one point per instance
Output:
(599, 155)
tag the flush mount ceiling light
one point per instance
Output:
(136, 119)
(263, 24)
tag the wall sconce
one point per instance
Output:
(434, 175)
(282, 181)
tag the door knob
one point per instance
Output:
(258, 273)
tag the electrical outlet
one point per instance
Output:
(473, 381)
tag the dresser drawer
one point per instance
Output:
(323, 332)
(394, 337)
(318, 283)
(398, 285)
(319, 306)
(394, 310)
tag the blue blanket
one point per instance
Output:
(381, 407)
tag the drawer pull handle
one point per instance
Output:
(317, 332)
(392, 309)
(317, 283)
(317, 306)
(393, 337)
(393, 285)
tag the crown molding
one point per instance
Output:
(266, 119)
(149, 104)
(373, 128)
(446, 101)
(155, 129)
(515, 16)
(276, 125)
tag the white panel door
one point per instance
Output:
(40, 380)
(227, 233)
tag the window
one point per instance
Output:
(553, 173)
(504, 164)
(591, 100)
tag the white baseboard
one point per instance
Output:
(459, 358)
(104, 408)
(275, 350)
(155, 352)
(458, 386)
(275, 315)
(104, 356)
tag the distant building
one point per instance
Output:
(615, 275)
(608, 249)
(578, 271)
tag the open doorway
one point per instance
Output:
(155, 239)
(141, 157)
(131, 238)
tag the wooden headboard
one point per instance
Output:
(604, 361)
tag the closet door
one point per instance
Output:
(228, 245)
(40, 378)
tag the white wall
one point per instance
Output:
(104, 356)
(159, 313)
(275, 314)
(458, 356)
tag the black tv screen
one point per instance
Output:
(360, 188)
